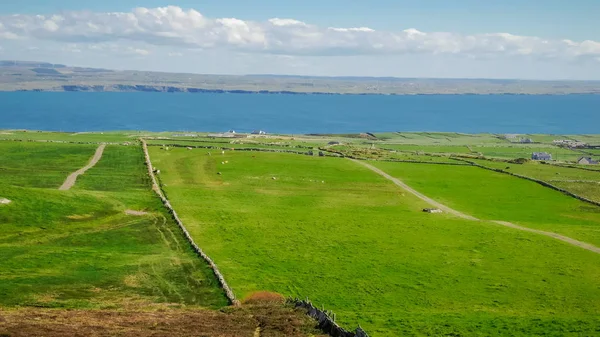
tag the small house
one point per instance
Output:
(526, 141)
(587, 161)
(259, 132)
(541, 156)
(334, 143)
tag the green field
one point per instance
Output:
(525, 151)
(336, 232)
(496, 196)
(305, 226)
(583, 182)
(78, 248)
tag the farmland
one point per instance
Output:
(333, 231)
(78, 249)
(302, 226)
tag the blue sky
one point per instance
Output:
(336, 52)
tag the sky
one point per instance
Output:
(527, 39)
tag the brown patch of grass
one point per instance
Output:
(264, 297)
(273, 320)
(132, 281)
(79, 216)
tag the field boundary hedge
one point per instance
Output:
(541, 182)
(156, 188)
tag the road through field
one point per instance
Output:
(447, 209)
(72, 178)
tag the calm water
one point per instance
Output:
(575, 114)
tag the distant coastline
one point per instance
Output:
(43, 76)
(171, 89)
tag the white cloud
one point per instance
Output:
(173, 26)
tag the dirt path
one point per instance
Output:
(563, 238)
(447, 209)
(414, 192)
(73, 176)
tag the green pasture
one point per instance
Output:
(496, 196)
(439, 138)
(225, 145)
(78, 248)
(575, 179)
(426, 148)
(94, 137)
(525, 151)
(333, 231)
(546, 172)
(44, 165)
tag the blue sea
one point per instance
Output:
(297, 114)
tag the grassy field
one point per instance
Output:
(496, 196)
(585, 183)
(40, 165)
(112, 137)
(525, 151)
(334, 231)
(78, 248)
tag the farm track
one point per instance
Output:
(72, 178)
(447, 209)
(409, 189)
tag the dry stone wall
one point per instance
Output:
(326, 320)
(228, 292)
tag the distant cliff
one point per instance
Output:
(158, 88)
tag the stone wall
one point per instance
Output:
(326, 320)
(156, 188)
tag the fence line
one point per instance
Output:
(326, 320)
(156, 188)
(541, 182)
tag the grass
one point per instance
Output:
(78, 248)
(582, 182)
(226, 145)
(40, 164)
(94, 137)
(427, 148)
(496, 196)
(334, 231)
(525, 151)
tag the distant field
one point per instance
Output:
(426, 148)
(78, 248)
(496, 196)
(227, 145)
(439, 138)
(336, 232)
(40, 165)
(116, 137)
(525, 151)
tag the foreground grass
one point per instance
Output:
(78, 248)
(331, 230)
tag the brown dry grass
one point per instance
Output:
(264, 297)
(273, 321)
